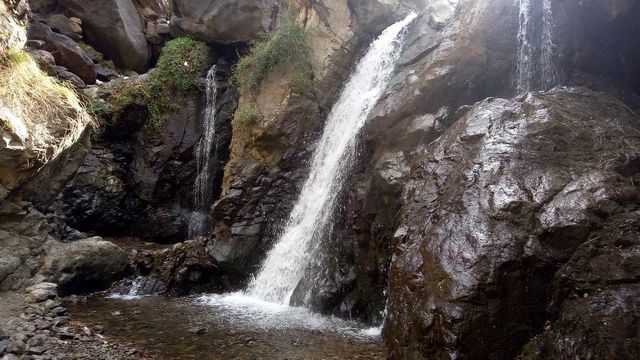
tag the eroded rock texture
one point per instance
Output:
(498, 216)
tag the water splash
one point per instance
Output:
(134, 290)
(287, 262)
(203, 186)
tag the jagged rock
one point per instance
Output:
(492, 210)
(63, 25)
(12, 29)
(23, 234)
(64, 74)
(84, 265)
(114, 28)
(185, 268)
(226, 21)
(66, 52)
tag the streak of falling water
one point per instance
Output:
(203, 187)
(536, 67)
(548, 68)
(286, 263)
(525, 49)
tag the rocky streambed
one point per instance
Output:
(43, 325)
(229, 327)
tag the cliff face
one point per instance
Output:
(491, 224)
(500, 216)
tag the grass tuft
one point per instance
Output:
(245, 116)
(34, 104)
(181, 61)
(283, 49)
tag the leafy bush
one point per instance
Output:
(181, 62)
(245, 115)
(283, 48)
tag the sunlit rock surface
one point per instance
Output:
(497, 209)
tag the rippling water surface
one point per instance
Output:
(230, 326)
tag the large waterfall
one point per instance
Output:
(286, 263)
(203, 187)
(536, 67)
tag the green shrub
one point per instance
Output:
(181, 61)
(123, 96)
(283, 48)
(99, 109)
(246, 115)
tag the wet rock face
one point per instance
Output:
(499, 216)
(135, 183)
(185, 268)
(226, 22)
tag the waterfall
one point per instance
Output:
(286, 263)
(203, 186)
(536, 67)
(525, 50)
(547, 63)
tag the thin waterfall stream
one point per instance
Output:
(536, 67)
(203, 186)
(286, 263)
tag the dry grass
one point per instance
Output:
(40, 111)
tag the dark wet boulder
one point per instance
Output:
(226, 21)
(84, 265)
(65, 51)
(500, 214)
(184, 268)
(114, 28)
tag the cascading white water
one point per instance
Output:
(287, 261)
(203, 185)
(548, 69)
(525, 49)
(536, 67)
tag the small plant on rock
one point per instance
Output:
(283, 49)
(181, 61)
(246, 115)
